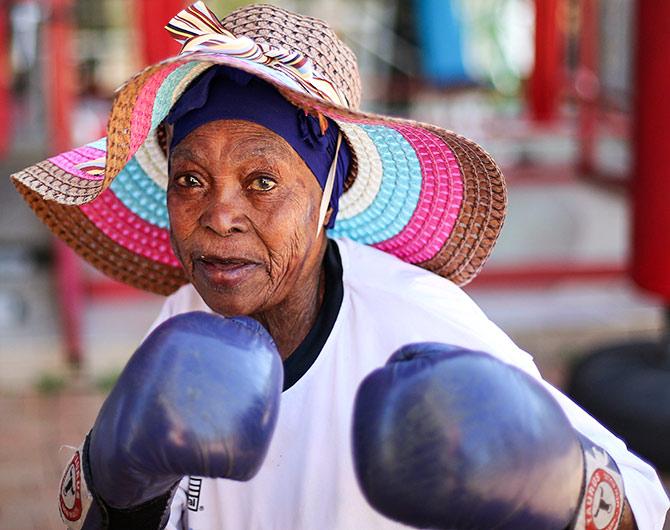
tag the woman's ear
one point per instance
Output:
(164, 132)
(326, 219)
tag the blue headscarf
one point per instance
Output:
(223, 93)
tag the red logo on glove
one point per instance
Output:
(70, 490)
(603, 502)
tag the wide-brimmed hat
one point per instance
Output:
(417, 191)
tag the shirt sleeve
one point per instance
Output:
(643, 489)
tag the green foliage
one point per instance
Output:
(50, 384)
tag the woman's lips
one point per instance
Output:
(226, 272)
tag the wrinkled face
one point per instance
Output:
(243, 210)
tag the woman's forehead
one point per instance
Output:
(232, 137)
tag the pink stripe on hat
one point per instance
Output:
(439, 201)
(140, 121)
(133, 233)
(69, 161)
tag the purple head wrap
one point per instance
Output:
(223, 93)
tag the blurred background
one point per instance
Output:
(569, 96)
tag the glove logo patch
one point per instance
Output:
(70, 490)
(602, 502)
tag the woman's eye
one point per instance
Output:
(262, 184)
(187, 181)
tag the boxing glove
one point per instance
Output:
(199, 397)
(445, 437)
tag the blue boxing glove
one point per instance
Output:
(199, 397)
(445, 437)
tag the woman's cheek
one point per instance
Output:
(183, 214)
(181, 255)
(182, 221)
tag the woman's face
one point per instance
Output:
(243, 210)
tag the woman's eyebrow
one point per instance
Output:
(262, 148)
(252, 148)
(184, 152)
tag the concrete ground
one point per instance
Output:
(34, 429)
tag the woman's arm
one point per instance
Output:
(446, 437)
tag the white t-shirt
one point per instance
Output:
(307, 481)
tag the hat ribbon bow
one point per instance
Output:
(198, 29)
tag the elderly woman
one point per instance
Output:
(240, 178)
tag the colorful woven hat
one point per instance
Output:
(422, 193)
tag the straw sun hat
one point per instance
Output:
(420, 192)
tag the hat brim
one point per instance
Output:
(425, 194)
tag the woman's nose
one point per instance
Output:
(225, 214)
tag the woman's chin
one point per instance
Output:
(231, 304)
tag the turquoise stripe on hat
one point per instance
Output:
(398, 195)
(165, 94)
(134, 188)
(141, 194)
(99, 144)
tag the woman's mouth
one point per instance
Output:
(223, 272)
